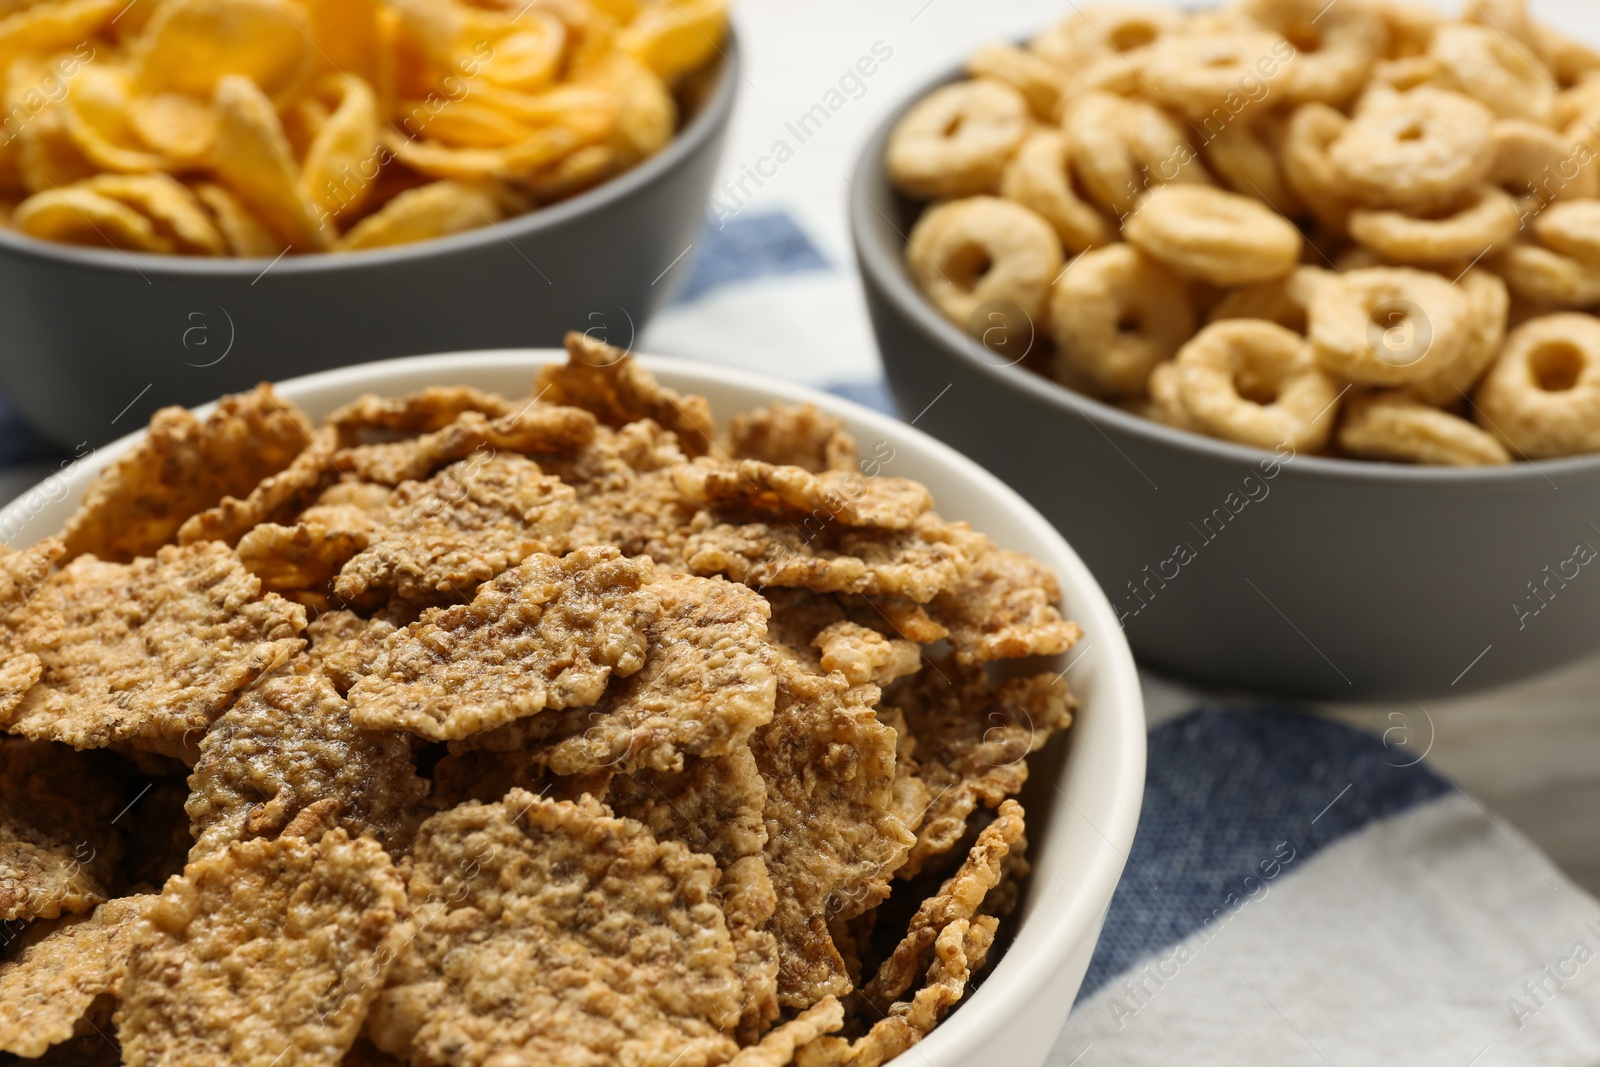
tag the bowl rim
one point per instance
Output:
(883, 267)
(1070, 919)
(691, 139)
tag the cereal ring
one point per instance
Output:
(1039, 81)
(1570, 61)
(1572, 228)
(1488, 66)
(1165, 405)
(1488, 304)
(1510, 19)
(1409, 27)
(1115, 314)
(1536, 163)
(1286, 301)
(1243, 157)
(1312, 129)
(1489, 219)
(1542, 396)
(1110, 29)
(1256, 383)
(1542, 276)
(968, 253)
(1122, 147)
(1334, 45)
(1198, 73)
(956, 140)
(1040, 178)
(1400, 75)
(1213, 236)
(1388, 325)
(1357, 257)
(1416, 150)
(1576, 105)
(1393, 426)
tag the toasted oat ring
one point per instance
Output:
(1286, 301)
(1040, 178)
(1039, 81)
(1401, 75)
(1214, 236)
(956, 140)
(1256, 383)
(1104, 30)
(1542, 396)
(1489, 306)
(1115, 314)
(983, 250)
(1196, 72)
(1534, 161)
(1312, 130)
(1489, 219)
(1542, 276)
(1571, 227)
(1247, 163)
(1335, 45)
(1488, 66)
(1417, 150)
(1165, 405)
(1569, 61)
(1123, 147)
(1388, 325)
(1394, 426)
(1409, 27)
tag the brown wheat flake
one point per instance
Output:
(536, 428)
(814, 501)
(278, 498)
(1005, 608)
(793, 435)
(610, 383)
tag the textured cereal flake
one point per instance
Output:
(425, 411)
(610, 383)
(346, 646)
(46, 991)
(516, 961)
(26, 618)
(833, 840)
(973, 737)
(815, 501)
(960, 951)
(960, 898)
(794, 435)
(627, 495)
(277, 498)
(536, 428)
(463, 526)
(307, 556)
(919, 562)
(288, 743)
(705, 686)
(185, 465)
(154, 649)
(1005, 608)
(268, 952)
(547, 633)
(59, 851)
(777, 1048)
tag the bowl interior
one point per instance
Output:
(1086, 793)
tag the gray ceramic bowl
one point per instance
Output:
(1319, 578)
(95, 340)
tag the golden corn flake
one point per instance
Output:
(463, 526)
(276, 498)
(833, 838)
(972, 738)
(790, 435)
(514, 962)
(813, 500)
(153, 650)
(185, 465)
(919, 562)
(534, 428)
(288, 743)
(268, 952)
(603, 379)
(705, 686)
(548, 633)
(48, 989)
(1005, 608)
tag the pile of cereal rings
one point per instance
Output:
(1361, 229)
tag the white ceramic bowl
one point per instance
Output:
(1084, 797)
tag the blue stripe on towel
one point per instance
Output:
(872, 394)
(747, 247)
(1228, 797)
